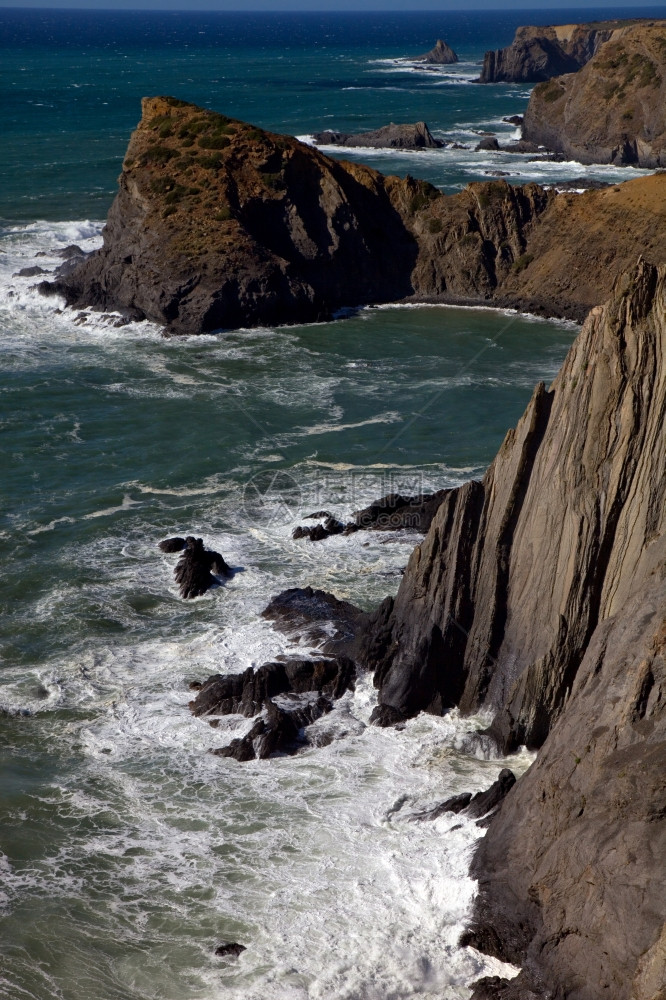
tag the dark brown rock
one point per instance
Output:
(247, 692)
(230, 948)
(318, 617)
(196, 566)
(441, 55)
(417, 136)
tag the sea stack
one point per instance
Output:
(441, 55)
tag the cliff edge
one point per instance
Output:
(612, 111)
(540, 594)
(539, 53)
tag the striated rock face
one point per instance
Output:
(391, 136)
(571, 869)
(441, 55)
(612, 111)
(217, 224)
(539, 53)
(499, 603)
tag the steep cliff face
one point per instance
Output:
(217, 224)
(539, 53)
(612, 111)
(571, 869)
(499, 602)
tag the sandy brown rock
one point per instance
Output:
(612, 111)
(539, 53)
(499, 602)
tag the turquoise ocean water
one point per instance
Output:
(127, 852)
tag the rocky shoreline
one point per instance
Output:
(220, 225)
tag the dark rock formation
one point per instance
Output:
(393, 512)
(246, 693)
(441, 55)
(30, 272)
(499, 602)
(474, 806)
(389, 137)
(230, 948)
(280, 731)
(196, 566)
(613, 110)
(218, 224)
(489, 144)
(539, 53)
(316, 617)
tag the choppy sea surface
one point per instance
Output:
(127, 851)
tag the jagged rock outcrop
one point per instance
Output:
(417, 136)
(571, 869)
(612, 111)
(197, 567)
(500, 600)
(217, 224)
(394, 512)
(539, 53)
(441, 55)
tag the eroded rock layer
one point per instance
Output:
(499, 602)
(612, 111)
(539, 53)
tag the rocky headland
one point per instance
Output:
(612, 110)
(539, 53)
(218, 224)
(441, 55)
(417, 136)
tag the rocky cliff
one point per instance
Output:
(499, 602)
(218, 224)
(540, 594)
(539, 53)
(612, 111)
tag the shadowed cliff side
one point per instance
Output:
(612, 111)
(499, 602)
(539, 53)
(218, 225)
(571, 869)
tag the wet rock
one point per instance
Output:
(317, 617)
(30, 272)
(490, 143)
(522, 146)
(395, 511)
(196, 566)
(514, 120)
(417, 136)
(70, 251)
(175, 544)
(455, 804)
(281, 730)
(484, 802)
(246, 693)
(228, 948)
(385, 716)
(441, 55)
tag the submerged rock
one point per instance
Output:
(391, 136)
(229, 948)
